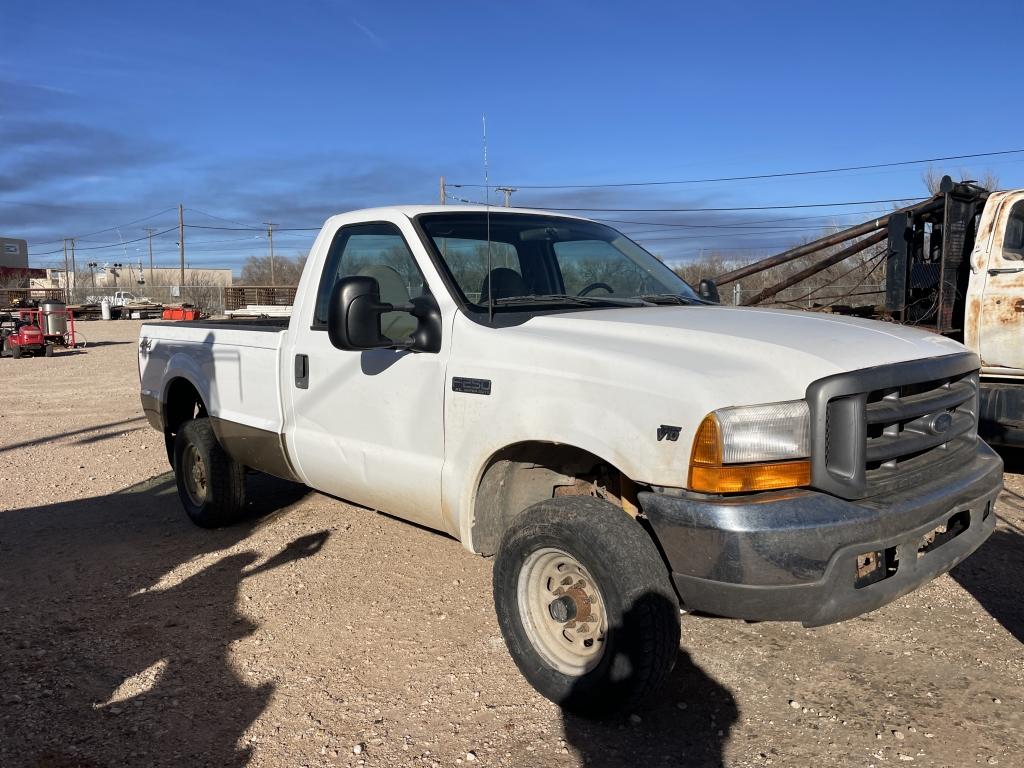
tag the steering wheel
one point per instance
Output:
(593, 287)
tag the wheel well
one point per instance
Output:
(183, 404)
(524, 474)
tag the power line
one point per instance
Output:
(907, 199)
(732, 230)
(107, 245)
(109, 229)
(749, 221)
(752, 177)
(254, 229)
(676, 238)
(221, 218)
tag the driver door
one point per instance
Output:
(1000, 320)
(368, 426)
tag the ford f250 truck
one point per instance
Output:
(547, 392)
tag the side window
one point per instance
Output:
(1013, 237)
(378, 251)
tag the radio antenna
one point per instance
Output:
(487, 203)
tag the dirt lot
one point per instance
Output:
(321, 634)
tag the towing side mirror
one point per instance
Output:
(355, 310)
(708, 291)
(353, 315)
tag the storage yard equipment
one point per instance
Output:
(954, 265)
(38, 331)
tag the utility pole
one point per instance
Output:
(181, 248)
(67, 278)
(444, 191)
(507, 192)
(270, 237)
(73, 287)
(149, 233)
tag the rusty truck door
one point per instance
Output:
(995, 307)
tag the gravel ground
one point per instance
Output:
(321, 634)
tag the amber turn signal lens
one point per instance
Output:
(707, 444)
(739, 478)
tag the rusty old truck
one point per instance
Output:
(954, 265)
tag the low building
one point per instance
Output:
(13, 253)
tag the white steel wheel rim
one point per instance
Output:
(562, 610)
(196, 481)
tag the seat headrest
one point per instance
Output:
(503, 283)
(392, 287)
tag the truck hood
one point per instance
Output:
(778, 350)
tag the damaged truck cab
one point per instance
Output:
(547, 392)
(994, 315)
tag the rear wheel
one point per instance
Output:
(211, 484)
(585, 605)
(15, 351)
(48, 350)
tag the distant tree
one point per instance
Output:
(932, 178)
(709, 265)
(256, 270)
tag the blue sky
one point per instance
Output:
(250, 111)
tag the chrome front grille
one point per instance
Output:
(885, 428)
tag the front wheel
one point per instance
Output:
(585, 605)
(211, 485)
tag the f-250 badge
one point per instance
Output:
(666, 432)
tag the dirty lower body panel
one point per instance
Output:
(1001, 412)
(811, 557)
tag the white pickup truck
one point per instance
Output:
(546, 391)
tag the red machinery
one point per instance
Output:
(37, 331)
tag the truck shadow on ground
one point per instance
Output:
(116, 616)
(687, 722)
(112, 428)
(990, 574)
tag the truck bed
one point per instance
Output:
(266, 324)
(234, 365)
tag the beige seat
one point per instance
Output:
(394, 325)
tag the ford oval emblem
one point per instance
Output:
(941, 423)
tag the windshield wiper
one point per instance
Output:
(564, 298)
(668, 298)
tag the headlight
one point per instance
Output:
(752, 448)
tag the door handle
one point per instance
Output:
(1005, 270)
(302, 371)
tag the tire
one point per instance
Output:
(15, 351)
(611, 563)
(211, 485)
(169, 447)
(48, 350)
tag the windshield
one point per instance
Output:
(542, 260)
